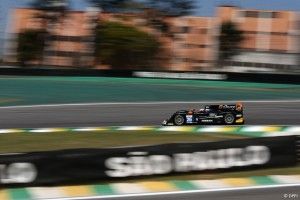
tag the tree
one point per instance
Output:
(156, 10)
(122, 46)
(166, 7)
(30, 45)
(171, 7)
(111, 5)
(229, 41)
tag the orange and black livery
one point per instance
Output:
(223, 114)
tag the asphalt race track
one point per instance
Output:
(80, 115)
(291, 192)
(112, 114)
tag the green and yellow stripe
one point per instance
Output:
(114, 189)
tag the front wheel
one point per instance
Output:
(178, 120)
(229, 118)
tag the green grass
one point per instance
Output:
(50, 90)
(27, 142)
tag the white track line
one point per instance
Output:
(149, 103)
(180, 192)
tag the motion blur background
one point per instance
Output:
(233, 50)
(171, 35)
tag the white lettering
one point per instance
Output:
(17, 173)
(119, 167)
(186, 162)
(138, 165)
(180, 75)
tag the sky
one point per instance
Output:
(203, 7)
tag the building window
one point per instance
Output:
(251, 14)
(265, 33)
(268, 14)
(198, 61)
(257, 14)
(203, 31)
(193, 61)
(178, 37)
(185, 29)
(241, 14)
(203, 46)
(180, 59)
(186, 45)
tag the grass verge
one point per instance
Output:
(28, 142)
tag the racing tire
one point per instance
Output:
(179, 120)
(229, 118)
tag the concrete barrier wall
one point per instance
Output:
(225, 76)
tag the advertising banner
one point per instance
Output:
(89, 165)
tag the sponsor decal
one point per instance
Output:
(227, 107)
(180, 75)
(207, 120)
(144, 164)
(241, 120)
(212, 114)
(189, 118)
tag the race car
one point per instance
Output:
(210, 114)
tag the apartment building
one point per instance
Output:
(69, 43)
(193, 44)
(271, 38)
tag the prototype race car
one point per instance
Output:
(210, 114)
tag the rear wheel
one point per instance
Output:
(229, 118)
(178, 120)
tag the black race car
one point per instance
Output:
(210, 114)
